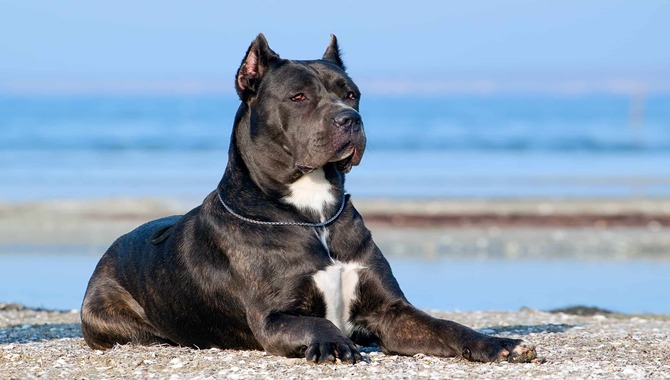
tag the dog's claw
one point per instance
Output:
(522, 353)
(495, 349)
(312, 353)
(329, 352)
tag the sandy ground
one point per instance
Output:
(47, 344)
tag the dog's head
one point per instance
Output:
(304, 114)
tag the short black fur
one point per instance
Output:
(209, 279)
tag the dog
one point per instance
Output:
(276, 258)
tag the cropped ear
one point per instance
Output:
(332, 53)
(256, 62)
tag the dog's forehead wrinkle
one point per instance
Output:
(296, 72)
(329, 75)
(333, 75)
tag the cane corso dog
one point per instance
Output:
(276, 258)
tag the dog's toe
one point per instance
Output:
(329, 352)
(495, 349)
(523, 352)
(313, 353)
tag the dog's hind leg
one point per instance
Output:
(110, 315)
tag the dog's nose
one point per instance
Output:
(349, 119)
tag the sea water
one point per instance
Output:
(55, 147)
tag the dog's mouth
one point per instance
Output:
(343, 160)
(344, 165)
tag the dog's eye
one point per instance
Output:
(298, 97)
(351, 95)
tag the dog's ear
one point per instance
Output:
(256, 62)
(332, 53)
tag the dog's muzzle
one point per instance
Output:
(350, 128)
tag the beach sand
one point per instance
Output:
(48, 344)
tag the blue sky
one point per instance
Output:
(172, 45)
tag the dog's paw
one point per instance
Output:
(328, 351)
(493, 349)
(522, 352)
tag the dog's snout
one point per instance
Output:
(349, 119)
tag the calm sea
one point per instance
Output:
(450, 146)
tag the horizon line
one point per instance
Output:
(370, 86)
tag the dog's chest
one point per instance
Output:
(337, 282)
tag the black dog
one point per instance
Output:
(277, 258)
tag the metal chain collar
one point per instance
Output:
(304, 224)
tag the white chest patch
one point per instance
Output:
(311, 192)
(338, 284)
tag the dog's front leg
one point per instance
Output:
(383, 310)
(405, 330)
(317, 339)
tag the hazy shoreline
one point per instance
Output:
(495, 228)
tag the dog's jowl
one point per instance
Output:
(276, 258)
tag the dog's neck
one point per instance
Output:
(314, 196)
(312, 192)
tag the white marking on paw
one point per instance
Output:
(338, 284)
(311, 192)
